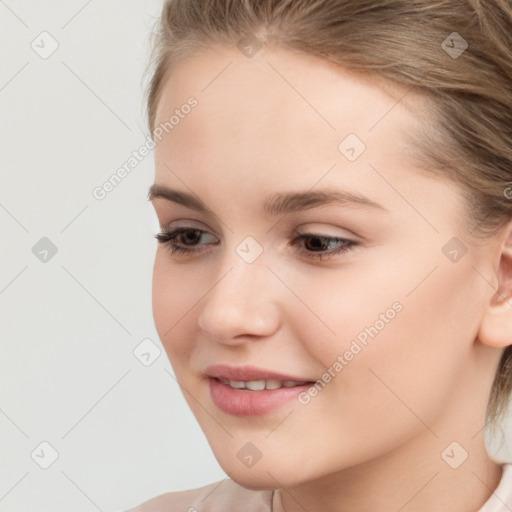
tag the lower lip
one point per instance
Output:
(243, 402)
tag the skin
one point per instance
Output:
(423, 382)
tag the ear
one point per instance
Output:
(496, 326)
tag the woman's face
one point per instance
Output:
(386, 319)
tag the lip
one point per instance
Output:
(246, 403)
(223, 371)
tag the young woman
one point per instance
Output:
(333, 278)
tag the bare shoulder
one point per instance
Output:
(223, 496)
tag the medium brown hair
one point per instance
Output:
(469, 138)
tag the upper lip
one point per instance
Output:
(247, 373)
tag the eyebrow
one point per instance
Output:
(277, 204)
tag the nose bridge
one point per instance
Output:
(242, 271)
(241, 300)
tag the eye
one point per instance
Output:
(320, 245)
(192, 235)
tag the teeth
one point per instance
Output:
(238, 384)
(290, 383)
(272, 384)
(255, 385)
(259, 385)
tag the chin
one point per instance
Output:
(255, 481)
(263, 475)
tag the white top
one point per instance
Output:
(228, 496)
(501, 499)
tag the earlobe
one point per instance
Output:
(496, 326)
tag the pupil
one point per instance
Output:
(316, 242)
(191, 235)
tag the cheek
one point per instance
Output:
(174, 297)
(417, 361)
(398, 341)
(338, 307)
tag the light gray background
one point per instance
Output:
(69, 326)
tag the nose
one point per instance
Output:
(242, 304)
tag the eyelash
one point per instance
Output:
(168, 238)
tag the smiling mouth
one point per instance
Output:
(260, 385)
(252, 396)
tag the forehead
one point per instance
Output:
(276, 84)
(279, 105)
(281, 121)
